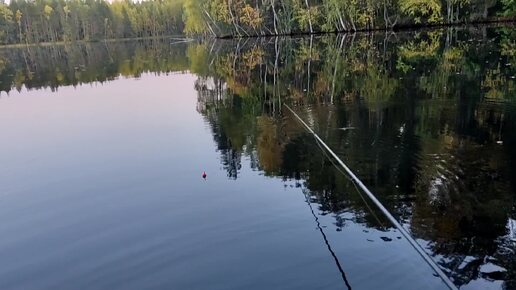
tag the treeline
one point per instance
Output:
(27, 21)
(275, 17)
(35, 21)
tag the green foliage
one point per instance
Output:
(194, 21)
(428, 11)
(6, 22)
(26, 21)
(34, 21)
(246, 17)
(509, 8)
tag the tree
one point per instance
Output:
(6, 22)
(509, 8)
(422, 10)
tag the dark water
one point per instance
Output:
(103, 146)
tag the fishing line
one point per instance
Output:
(337, 262)
(389, 216)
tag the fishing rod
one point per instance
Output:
(380, 206)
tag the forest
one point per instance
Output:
(228, 18)
(37, 21)
(25, 21)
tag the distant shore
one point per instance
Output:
(36, 44)
(411, 27)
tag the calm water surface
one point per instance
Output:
(103, 146)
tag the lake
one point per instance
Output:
(104, 145)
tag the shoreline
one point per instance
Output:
(44, 44)
(398, 28)
(406, 27)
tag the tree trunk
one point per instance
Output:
(275, 16)
(212, 21)
(448, 10)
(233, 18)
(309, 17)
(309, 63)
(20, 31)
(235, 24)
(332, 97)
(341, 20)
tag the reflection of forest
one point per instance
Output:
(428, 122)
(63, 65)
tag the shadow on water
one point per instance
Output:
(426, 119)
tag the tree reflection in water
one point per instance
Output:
(434, 114)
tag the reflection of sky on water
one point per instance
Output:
(102, 189)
